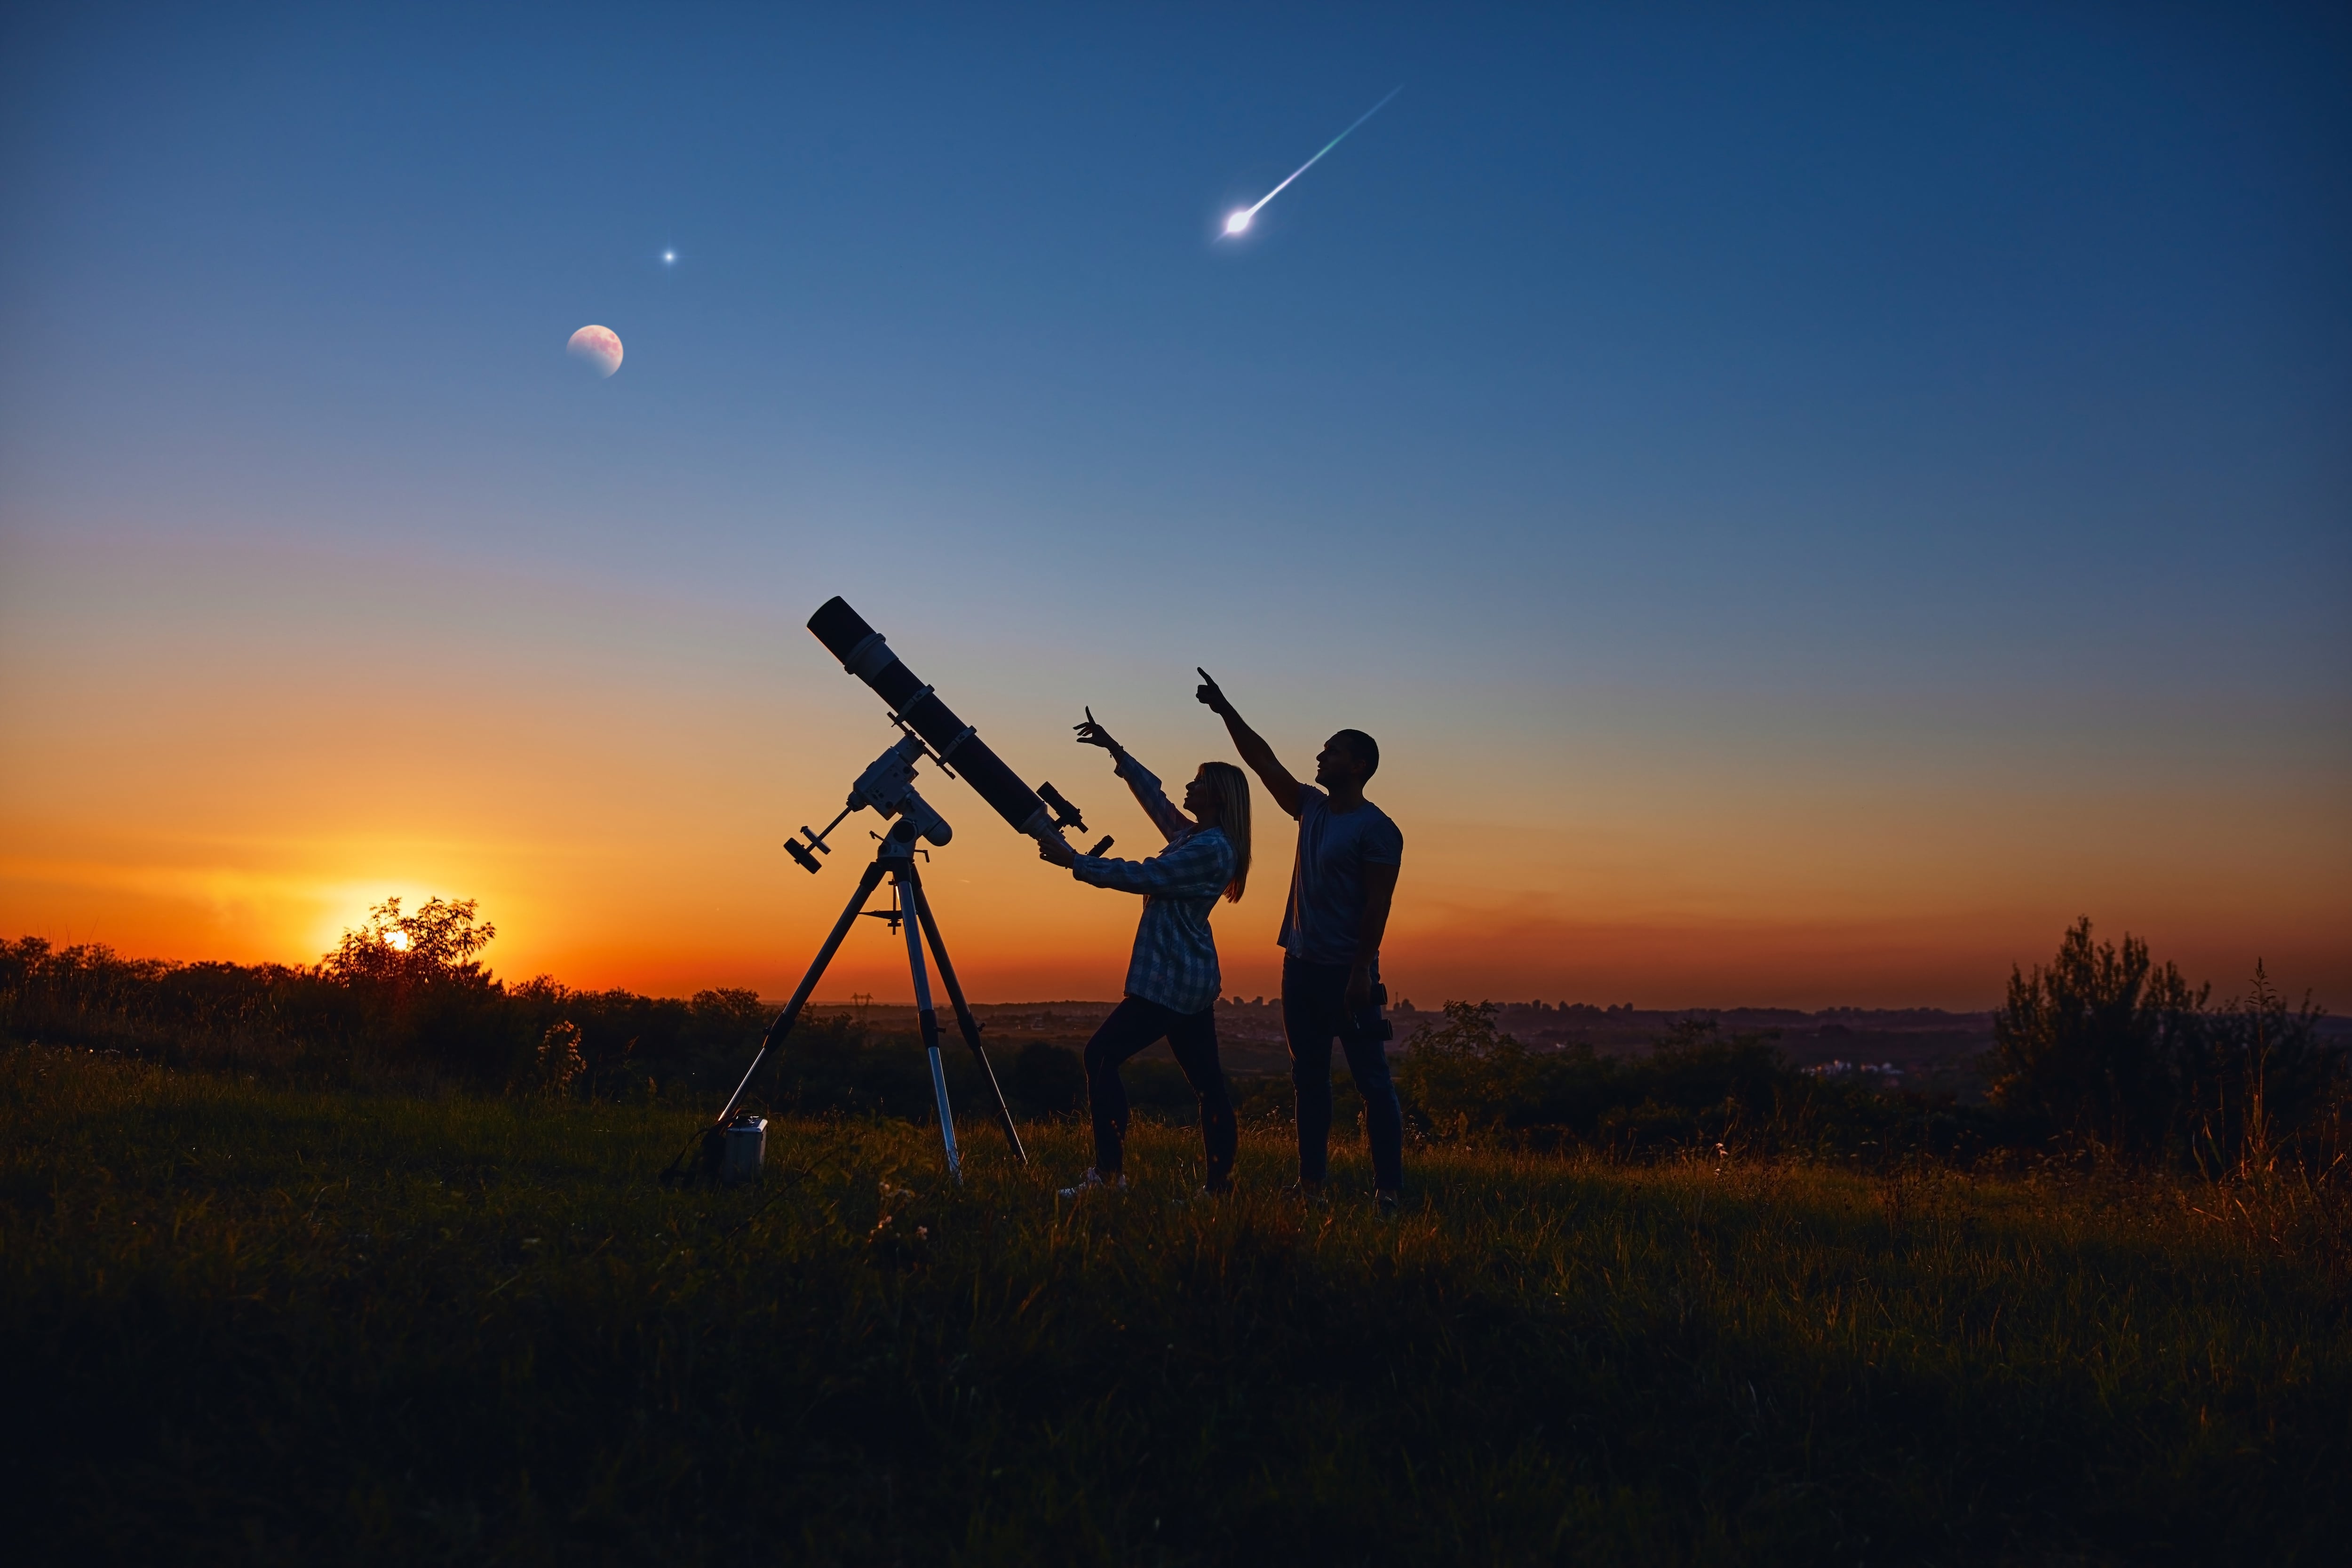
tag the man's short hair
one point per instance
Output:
(1365, 750)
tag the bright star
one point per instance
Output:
(669, 255)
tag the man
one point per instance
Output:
(1341, 882)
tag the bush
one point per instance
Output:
(404, 997)
(559, 1061)
(2255, 1084)
(2103, 1048)
(1466, 1075)
(261, 1014)
(1693, 1089)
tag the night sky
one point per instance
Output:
(1809, 505)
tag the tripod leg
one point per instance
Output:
(774, 1039)
(925, 1015)
(964, 1020)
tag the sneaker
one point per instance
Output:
(1092, 1182)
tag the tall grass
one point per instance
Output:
(256, 1324)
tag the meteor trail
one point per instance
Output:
(1238, 220)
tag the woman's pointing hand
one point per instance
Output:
(1093, 734)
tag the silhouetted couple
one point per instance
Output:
(1342, 878)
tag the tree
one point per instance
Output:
(422, 996)
(403, 952)
(2092, 1042)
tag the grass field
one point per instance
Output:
(258, 1325)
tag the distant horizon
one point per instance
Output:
(1267, 996)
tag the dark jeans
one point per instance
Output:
(1314, 1011)
(1133, 1024)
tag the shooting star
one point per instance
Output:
(1240, 218)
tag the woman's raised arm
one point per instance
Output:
(1139, 779)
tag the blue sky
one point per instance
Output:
(1938, 394)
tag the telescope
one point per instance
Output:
(929, 731)
(955, 745)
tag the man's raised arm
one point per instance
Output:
(1251, 746)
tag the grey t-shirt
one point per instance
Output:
(1327, 879)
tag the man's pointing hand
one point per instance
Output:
(1210, 696)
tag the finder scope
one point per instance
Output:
(865, 655)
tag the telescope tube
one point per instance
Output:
(865, 655)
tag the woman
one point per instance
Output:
(1173, 982)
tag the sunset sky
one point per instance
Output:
(1809, 505)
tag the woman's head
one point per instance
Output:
(1218, 797)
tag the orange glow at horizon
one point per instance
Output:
(619, 812)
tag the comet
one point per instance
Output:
(1238, 222)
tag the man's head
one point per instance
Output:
(1347, 759)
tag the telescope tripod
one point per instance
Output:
(909, 908)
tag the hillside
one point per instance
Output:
(259, 1325)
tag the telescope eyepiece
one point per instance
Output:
(1065, 813)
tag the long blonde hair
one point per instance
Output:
(1231, 786)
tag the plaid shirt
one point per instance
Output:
(1175, 962)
